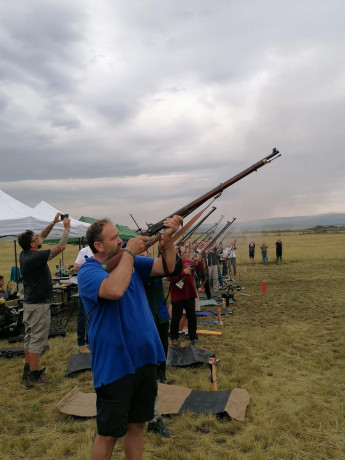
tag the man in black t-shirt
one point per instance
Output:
(38, 292)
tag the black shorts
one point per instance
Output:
(127, 400)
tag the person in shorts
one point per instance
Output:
(123, 339)
(38, 293)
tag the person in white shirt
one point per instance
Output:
(82, 341)
(233, 259)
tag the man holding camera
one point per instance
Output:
(38, 292)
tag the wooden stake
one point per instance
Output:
(219, 311)
(212, 362)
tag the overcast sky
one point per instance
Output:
(139, 106)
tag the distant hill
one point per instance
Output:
(284, 223)
(297, 222)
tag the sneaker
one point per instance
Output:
(194, 342)
(158, 427)
(84, 349)
(175, 343)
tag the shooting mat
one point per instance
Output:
(188, 356)
(206, 322)
(173, 399)
(205, 303)
(11, 352)
(78, 363)
(223, 311)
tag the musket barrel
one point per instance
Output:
(189, 208)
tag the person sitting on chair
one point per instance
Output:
(5, 293)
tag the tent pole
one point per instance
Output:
(16, 261)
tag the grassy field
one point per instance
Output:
(286, 347)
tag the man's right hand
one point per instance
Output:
(138, 244)
(67, 223)
(57, 218)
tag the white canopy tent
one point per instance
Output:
(16, 217)
(45, 211)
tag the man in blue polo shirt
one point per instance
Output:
(124, 342)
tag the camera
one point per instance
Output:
(63, 216)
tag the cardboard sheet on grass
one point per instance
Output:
(173, 400)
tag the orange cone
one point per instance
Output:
(264, 287)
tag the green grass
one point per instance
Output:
(287, 348)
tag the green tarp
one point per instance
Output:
(88, 220)
(125, 232)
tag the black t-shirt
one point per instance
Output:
(212, 258)
(37, 281)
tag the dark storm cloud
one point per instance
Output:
(38, 43)
(146, 105)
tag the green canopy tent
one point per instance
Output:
(125, 232)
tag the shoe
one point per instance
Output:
(35, 378)
(194, 342)
(84, 349)
(175, 343)
(158, 427)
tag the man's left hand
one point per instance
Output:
(171, 224)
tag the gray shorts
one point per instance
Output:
(36, 320)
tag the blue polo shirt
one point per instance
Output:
(122, 334)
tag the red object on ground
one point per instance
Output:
(264, 287)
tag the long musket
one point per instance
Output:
(181, 282)
(190, 233)
(211, 230)
(211, 243)
(153, 229)
(189, 208)
(202, 235)
(227, 234)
